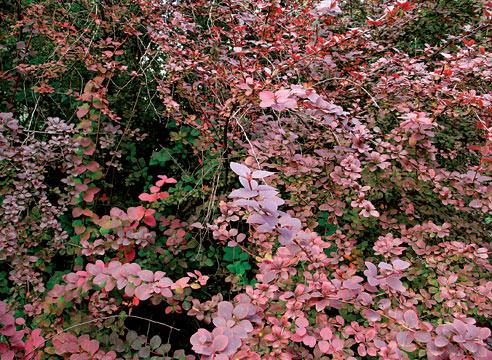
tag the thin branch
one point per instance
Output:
(103, 318)
(354, 83)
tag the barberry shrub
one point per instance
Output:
(327, 189)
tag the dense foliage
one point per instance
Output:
(245, 179)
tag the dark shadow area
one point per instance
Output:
(187, 325)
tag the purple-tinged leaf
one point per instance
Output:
(441, 341)
(243, 193)
(220, 343)
(411, 318)
(240, 169)
(400, 264)
(404, 338)
(225, 309)
(371, 315)
(395, 283)
(261, 174)
(241, 311)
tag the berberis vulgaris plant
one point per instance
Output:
(245, 179)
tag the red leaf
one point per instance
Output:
(35, 341)
(91, 346)
(79, 229)
(92, 166)
(150, 220)
(130, 254)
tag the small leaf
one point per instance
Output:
(131, 336)
(138, 343)
(163, 349)
(144, 352)
(160, 158)
(155, 342)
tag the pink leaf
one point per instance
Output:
(353, 283)
(82, 111)
(92, 166)
(289, 103)
(477, 204)
(267, 99)
(324, 346)
(136, 213)
(165, 180)
(148, 197)
(65, 343)
(163, 195)
(143, 292)
(118, 213)
(309, 340)
(326, 333)
(423, 336)
(146, 275)
(35, 341)
(302, 322)
(337, 343)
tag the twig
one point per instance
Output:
(249, 142)
(352, 82)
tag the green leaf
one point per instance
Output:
(209, 262)
(104, 231)
(160, 157)
(77, 222)
(79, 260)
